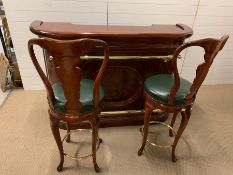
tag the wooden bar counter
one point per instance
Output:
(136, 52)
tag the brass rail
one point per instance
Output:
(111, 113)
(163, 57)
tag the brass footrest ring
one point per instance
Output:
(80, 157)
(161, 123)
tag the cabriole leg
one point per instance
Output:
(56, 134)
(94, 125)
(172, 123)
(185, 118)
(147, 115)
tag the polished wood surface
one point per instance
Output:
(122, 40)
(65, 58)
(211, 47)
(124, 76)
(61, 30)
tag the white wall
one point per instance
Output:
(209, 18)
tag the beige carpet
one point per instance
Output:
(27, 146)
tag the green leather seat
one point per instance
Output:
(159, 86)
(86, 96)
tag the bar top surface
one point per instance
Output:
(60, 30)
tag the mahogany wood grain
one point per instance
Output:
(211, 47)
(61, 30)
(124, 78)
(65, 58)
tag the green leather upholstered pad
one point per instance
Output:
(86, 96)
(159, 86)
